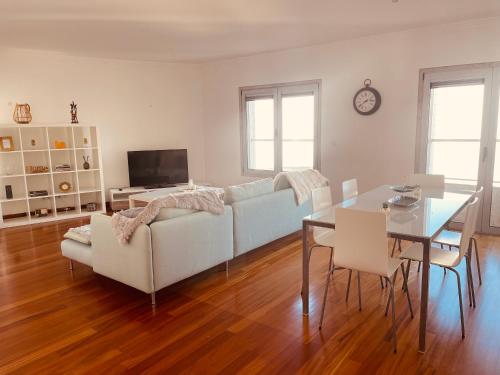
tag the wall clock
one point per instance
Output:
(367, 100)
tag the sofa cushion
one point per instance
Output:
(249, 190)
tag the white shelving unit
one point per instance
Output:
(35, 145)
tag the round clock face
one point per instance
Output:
(367, 101)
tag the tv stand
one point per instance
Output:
(119, 196)
(162, 186)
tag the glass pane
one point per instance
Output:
(298, 155)
(495, 195)
(456, 112)
(495, 206)
(456, 160)
(260, 118)
(261, 155)
(298, 117)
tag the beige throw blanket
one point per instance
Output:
(125, 223)
(302, 182)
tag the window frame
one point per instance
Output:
(277, 92)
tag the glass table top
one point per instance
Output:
(424, 219)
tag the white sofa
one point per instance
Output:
(181, 243)
(262, 215)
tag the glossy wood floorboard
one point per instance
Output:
(56, 321)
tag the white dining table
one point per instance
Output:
(420, 222)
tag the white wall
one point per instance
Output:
(376, 149)
(137, 105)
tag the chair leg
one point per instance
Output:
(359, 291)
(393, 308)
(348, 286)
(419, 264)
(477, 261)
(70, 265)
(399, 245)
(389, 299)
(227, 269)
(460, 301)
(394, 247)
(471, 280)
(405, 286)
(153, 299)
(407, 274)
(310, 253)
(381, 282)
(327, 284)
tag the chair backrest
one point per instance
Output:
(469, 227)
(479, 194)
(361, 240)
(350, 189)
(321, 198)
(430, 181)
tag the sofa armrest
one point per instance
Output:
(131, 263)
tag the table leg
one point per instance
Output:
(424, 296)
(305, 270)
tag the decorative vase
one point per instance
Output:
(22, 113)
(86, 164)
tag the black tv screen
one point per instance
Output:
(157, 168)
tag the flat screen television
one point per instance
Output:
(159, 168)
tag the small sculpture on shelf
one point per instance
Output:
(74, 113)
(86, 164)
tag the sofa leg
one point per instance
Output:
(70, 265)
(227, 269)
(153, 299)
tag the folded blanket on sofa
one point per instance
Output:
(302, 182)
(80, 234)
(124, 223)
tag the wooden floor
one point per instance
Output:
(56, 321)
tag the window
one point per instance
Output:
(455, 121)
(280, 128)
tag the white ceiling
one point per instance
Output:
(199, 30)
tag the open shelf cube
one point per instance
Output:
(85, 137)
(41, 208)
(89, 181)
(12, 132)
(91, 198)
(65, 178)
(58, 134)
(36, 159)
(14, 212)
(11, 164)
(34, 138)
(39, 182)
(17, 185)
(67, 205)
(91, 154)
(61, 158)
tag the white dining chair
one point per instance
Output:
(429, 181)
(350, 189)
(425, 181)
(452, 238)
(449, 259)
(323, 237)
(361, 244)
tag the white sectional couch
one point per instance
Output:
(181, 243)
(263, 215)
